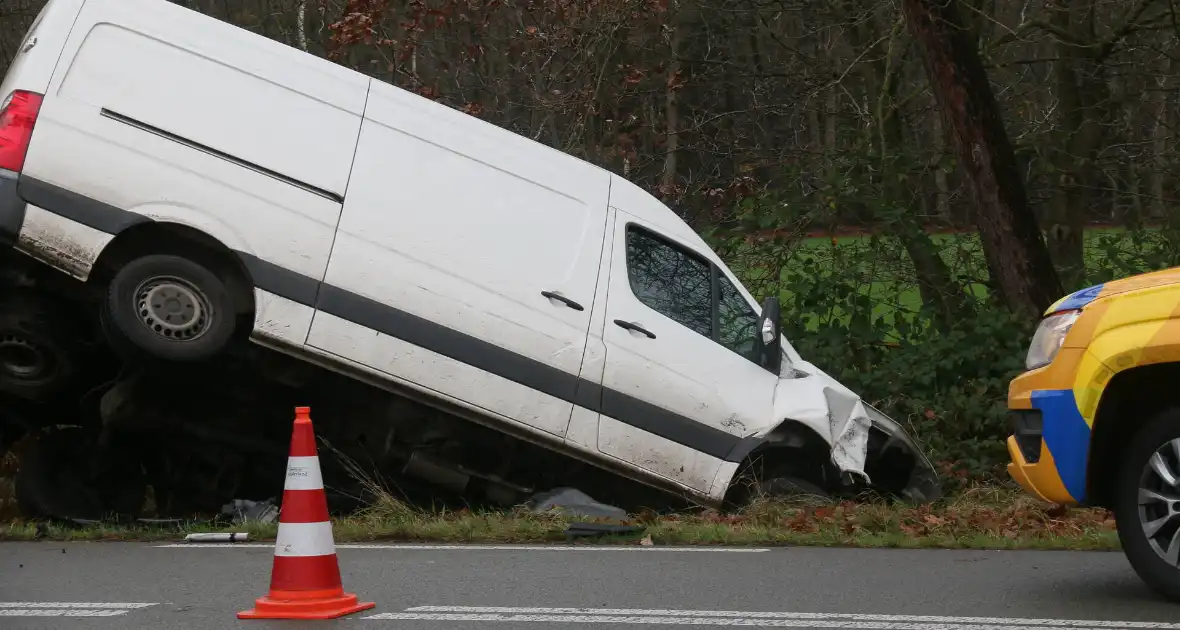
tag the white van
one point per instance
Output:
(205, 176)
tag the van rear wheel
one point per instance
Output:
(168, 307)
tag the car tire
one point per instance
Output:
(169, 308)
(1146, 554)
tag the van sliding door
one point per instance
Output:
(466, 261)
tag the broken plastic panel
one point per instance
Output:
(842, 419)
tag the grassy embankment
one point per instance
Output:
(983, 518)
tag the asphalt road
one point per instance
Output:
(123, 586)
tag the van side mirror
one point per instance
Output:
(769, 324)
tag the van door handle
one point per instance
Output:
(636, 327)
(563, 299)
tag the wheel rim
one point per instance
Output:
(21, 359)
(173, 308)
(1159, 501)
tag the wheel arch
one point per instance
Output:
(1129, 400)
(161, 237)
(791, 449)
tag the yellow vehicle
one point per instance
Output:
(1096, 418)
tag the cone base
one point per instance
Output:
(319, 608)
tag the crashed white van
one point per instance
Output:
(203, 176)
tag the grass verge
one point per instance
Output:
(981, 518)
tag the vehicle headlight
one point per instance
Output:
(1048, 339)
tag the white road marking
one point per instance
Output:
(692, 621)
(59, 612)
(728, 618)
(72, 605)
(408, 547)
(69, 609)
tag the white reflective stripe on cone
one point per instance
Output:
(303, 473)
(305, 539)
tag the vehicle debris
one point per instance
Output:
(245, 511)
(218, 537)
(575, 503)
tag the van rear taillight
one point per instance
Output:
(18, 114)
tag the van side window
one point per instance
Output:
(738, 322)
(670, 280)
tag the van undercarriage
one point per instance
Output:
(96, 433)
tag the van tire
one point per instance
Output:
(193, 320)
(35, 352)
(1156, 435)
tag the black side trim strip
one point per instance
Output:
(589, 395)
(667, 424)
(422, 332)
(316, 190)
(744, 447)
(84, 210)
(274, 279)
(447, 342)
(12, 209)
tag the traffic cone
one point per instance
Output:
(305, 578)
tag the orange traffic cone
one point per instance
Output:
(305, 579)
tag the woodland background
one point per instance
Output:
(917, 179)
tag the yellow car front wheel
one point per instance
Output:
(1147, 508)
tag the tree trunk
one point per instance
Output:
(1017, 257)
(301, 25)
(938, 290)
(942, 185)
(1081, 94)
(1161, 99)
(672, 104)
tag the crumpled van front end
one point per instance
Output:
(828, 424)
(864, 443)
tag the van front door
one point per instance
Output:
(680, 388)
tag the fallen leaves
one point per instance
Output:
(997, 514)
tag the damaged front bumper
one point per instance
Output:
(864, 443)
(897, 462)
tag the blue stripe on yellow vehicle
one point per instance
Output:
(1078, 299)
(1067, 438)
